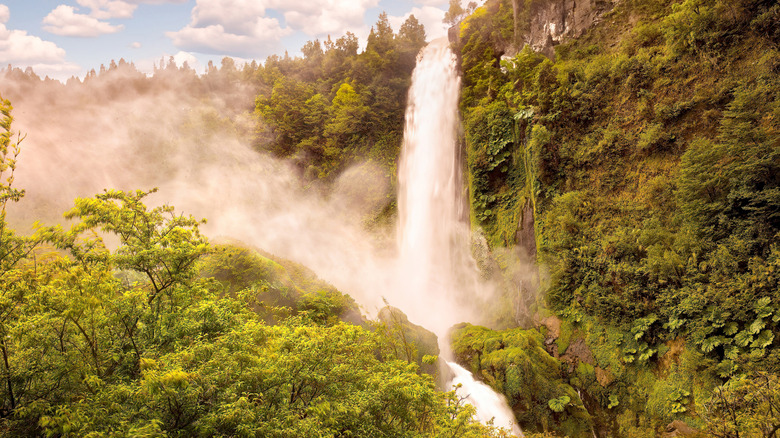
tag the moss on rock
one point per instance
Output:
(515, 363)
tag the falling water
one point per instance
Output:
(435, 263)
(489, 404)
(430, 200)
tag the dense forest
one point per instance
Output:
(632, 161)
(647, 150)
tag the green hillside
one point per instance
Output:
(169, 336)
(648, 152)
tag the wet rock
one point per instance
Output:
(553, 324)
(678, 428)
(578, 349)
(604, 377)
(525, 236)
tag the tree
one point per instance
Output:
(13, 250)
(455, 13)
(381, 38)
(158, 243)
(312, 50)
(9, 152)
(283, 112)
(347, 111)
(411, 35)
(745, 406)
(411, 38)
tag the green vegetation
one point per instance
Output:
(515, 363)
(650, 150)
(335, 106)
(647, 150)
(167, 336)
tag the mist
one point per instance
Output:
(194, 143)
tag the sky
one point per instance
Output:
(64, 38)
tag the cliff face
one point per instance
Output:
(552, 21)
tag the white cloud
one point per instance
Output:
(104, 9)
(215, 39)
(135, 45)
(18, 48)
(5, 14)
(155, 2)
(428, 16)
(442, 3)
(109, 8)
(243, 27)
(323, 17)
(64, 20)
(235, 16)
(182, 57)
(232, 27)
(22, 50)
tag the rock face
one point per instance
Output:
(552, 21)
(679, 428)
(525, 236)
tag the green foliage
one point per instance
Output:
(14, 251)
(408, 341)
(148, 340)
(455, 13)
(481, 36)
(650, 156)
(281, 288)
(599, 124)
(336, 105)
(745, 405)
(87, 353)
(515, 363)
(491, 161)
(641, 326)
(679, 398)
(655, 139)
(157, 243)
(9, 151)
(559, 404)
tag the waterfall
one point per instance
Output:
(439, 278)
(489, 404)
(430, 194)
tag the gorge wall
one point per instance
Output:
(615, 124)
(549, 22)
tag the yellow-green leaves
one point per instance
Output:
(559, 404)
(156, 242)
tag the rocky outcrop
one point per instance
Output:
(552, 21)
(525, 237)
(578, 351)
(679, 428)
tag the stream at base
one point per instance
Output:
(489, 404)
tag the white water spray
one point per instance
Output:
(435, 262)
